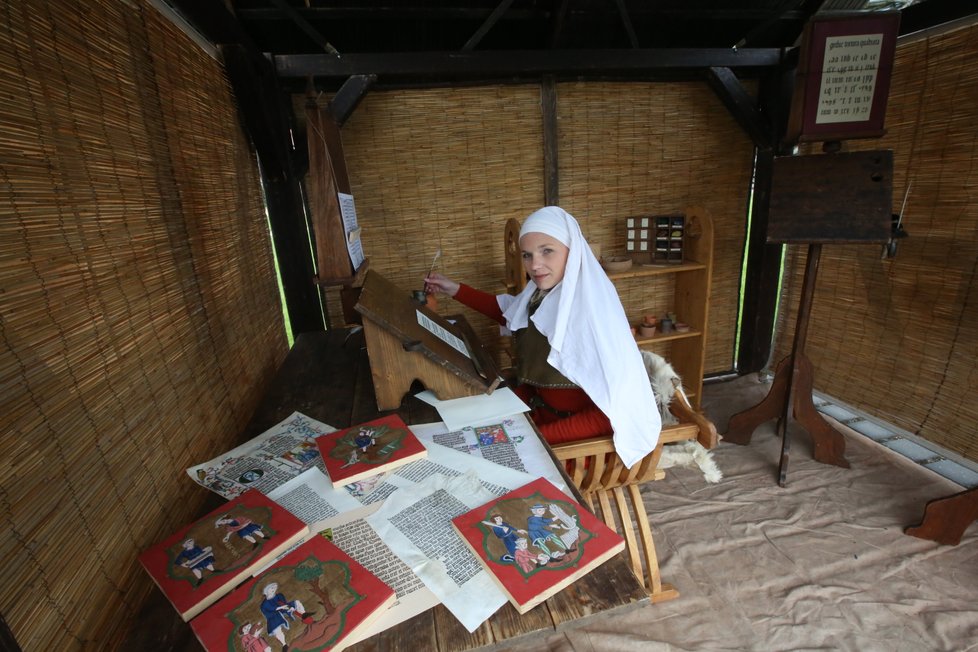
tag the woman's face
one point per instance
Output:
(544, 259)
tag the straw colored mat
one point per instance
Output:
(821, 564)
(446, 168)
(139, 317)
(898, 338)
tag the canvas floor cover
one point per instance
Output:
(821, 564)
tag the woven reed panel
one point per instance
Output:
(898, 338)
(139, 316)
(444, 169)
(641, 149)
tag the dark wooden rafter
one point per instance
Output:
(213, 20)
(484, 28)
(398, 12)
(559, 20)
(522, 62)
(741, 105)
(627, 23)
(349, 96)
(789, 11)
(304, 25)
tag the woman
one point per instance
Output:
(577, 363)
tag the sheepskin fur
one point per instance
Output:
(691, 454)
(665, 381)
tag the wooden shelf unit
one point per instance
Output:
(691, 301)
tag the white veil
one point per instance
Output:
(590, 339)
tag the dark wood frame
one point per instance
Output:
(802, 124)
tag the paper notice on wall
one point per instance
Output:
(351, 229)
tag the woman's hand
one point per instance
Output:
(437, 283)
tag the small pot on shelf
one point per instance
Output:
(646, 330)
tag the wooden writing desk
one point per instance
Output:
(327, 376)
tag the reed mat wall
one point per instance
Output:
(446, 168)
(139, 313)
(898, 338)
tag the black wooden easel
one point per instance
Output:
(827, 198)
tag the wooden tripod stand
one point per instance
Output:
(792, 391)
(816, 199)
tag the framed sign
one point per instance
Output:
(843, 77)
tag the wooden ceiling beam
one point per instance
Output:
(741, 106)
(627, 23)
(520, 62)
(349, 96)
(493, 18)
(557, 24)
(304, 25)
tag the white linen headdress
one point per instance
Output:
(590, 339)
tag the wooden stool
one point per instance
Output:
(612, 491)
(605, 482)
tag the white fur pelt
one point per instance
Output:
(665, 381)
(690, 454)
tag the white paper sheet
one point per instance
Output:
(266, 462)
(416, 523)
(509, 442)
(312, 498)
(356, 537)
(460, 412)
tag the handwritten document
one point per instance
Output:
(443, 334)
(849, 72)
(351, 229)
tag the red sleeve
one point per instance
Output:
(481, 301)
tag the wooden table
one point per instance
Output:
(326, 376)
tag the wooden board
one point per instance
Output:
(327, 177)
(831, 198)
(401, 350)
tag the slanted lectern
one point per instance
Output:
(407, 341)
